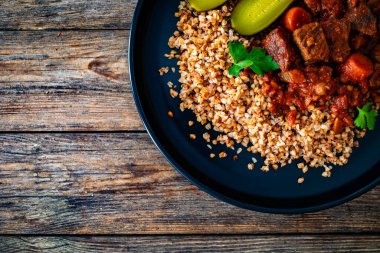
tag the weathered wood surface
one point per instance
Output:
(68, 80)
(120, 184)
(272, 244)
(66, 14)
(63, 67)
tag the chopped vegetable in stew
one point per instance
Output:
(329, 55)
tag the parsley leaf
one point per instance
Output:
(236, 68)
(366, 117)
(360, 121)
(257, 60)
(371, 119)
(237, 51)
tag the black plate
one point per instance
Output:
(228, 180)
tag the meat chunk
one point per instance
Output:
(333, 8)
(338, 126)
(278, 44)
(312, 43)
(337, 34)
(362, 19)
(374, 5)
(314, 6)
(326, 8)
(293, 76)
(339, 108)
(359, 40)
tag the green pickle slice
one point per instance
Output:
(205, 5)
(252, 16)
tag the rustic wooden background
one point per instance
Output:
(78, 172)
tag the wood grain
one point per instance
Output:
(66, 14)
(62, 81)
(63, 67)
(119, 183)
(272, 244)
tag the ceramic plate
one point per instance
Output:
(226, 179)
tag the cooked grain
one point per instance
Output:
(222, 154)
(236, 106)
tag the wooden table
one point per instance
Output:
(78, 172)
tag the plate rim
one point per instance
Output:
(196, 182)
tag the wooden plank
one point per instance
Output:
(119, 183)
(174, 211)
(66, 14)
(272, 244)
(82, 165)
(61, 81)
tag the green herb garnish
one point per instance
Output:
(257, 60)
(366, 117)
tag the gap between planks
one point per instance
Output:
(67, 14)
(218, 244)
(120, 183)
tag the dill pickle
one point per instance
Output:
(205, 5)
(252, 16)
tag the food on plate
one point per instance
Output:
(312, 43)
(337, 32)
(295, 18)
(257, 60)
(366, 118)
(277, 44)
(326, 8)
(362, 19)
(305, 87)
(202, 5)
(252, 16)
(357, 68)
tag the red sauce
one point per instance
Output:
(319, 90)
(329, 59)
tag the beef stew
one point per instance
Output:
(328, 59)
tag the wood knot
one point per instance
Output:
(114, 68)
